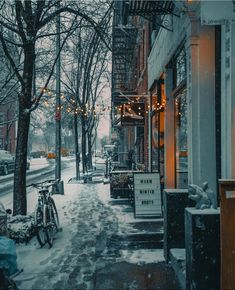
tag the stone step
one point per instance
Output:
(120, 201)
(177, 258)
(137, 241)
(155, 225)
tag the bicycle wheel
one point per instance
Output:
(48, 225)
(41, 235)
(55, 216)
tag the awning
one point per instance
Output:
(138, 7)
(146, 8)
(127, 96)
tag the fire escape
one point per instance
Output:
(124, 58)
(148, 9)
(128, 108)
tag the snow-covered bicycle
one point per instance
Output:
(46, 214)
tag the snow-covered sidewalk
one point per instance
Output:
(82, 254)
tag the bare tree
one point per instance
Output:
(28, 22)
(84, 83)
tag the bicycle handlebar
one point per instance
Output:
(52, 181)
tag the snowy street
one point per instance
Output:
(84, 254)
(40, 169)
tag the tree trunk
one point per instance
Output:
(84, 157)
(20, 197)
(20, 201)
(8, 129)
(89, 150)
(77, 153)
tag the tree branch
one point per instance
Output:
(37, 100)
(53, 34)
(7, 53)
(95, 25)
(9, 27)
(8, 93)
(19, 10)
(39, 10)
(14, 43)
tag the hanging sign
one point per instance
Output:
(147, 194)
(217, 12)
(132, 114)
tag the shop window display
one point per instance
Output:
(181, 140)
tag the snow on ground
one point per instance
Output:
(124, 213)
(141, 257)
(88, 220)
(37, 163)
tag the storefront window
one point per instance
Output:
(181, 140)
(180, 67)
(155, 137)
(155, 132)
(158, 105)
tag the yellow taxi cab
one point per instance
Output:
(51, 155)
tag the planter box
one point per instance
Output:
(120, 183)
(202, 243)
(174, 203)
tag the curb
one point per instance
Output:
(30, 175)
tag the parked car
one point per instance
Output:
(37, 154)
(7, 162)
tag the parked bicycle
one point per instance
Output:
(46, 215)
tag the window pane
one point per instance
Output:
(180, 67)
(181, 140)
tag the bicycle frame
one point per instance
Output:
(46, 215)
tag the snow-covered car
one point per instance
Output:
(37, 154)
(7, 162)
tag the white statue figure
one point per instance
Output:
(204, 196)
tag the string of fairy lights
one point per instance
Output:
(134, 106)
(70, 105)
